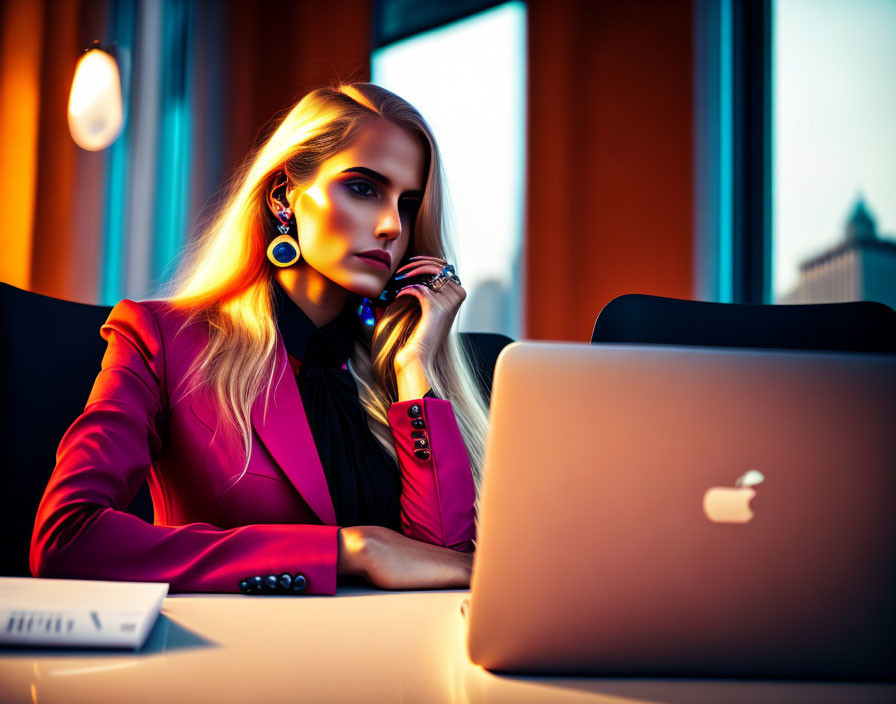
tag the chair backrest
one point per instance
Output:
(861, 326)
(50, 355)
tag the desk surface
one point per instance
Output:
(360, 646)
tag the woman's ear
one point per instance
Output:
(291, 193)
(276, 196)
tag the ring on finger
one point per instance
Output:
(443, 277)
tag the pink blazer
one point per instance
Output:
(209, 532)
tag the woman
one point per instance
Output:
(285, 439)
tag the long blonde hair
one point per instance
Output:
(226, 280)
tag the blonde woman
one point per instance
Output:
(298, 403)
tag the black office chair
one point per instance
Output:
(483, 349)
(861, 326)
(49, 358)
(50, 354)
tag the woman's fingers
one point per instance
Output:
(451, 294)
(418, 268)
(418, 291)
(424, 260)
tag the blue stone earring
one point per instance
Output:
(365, 313)
(365, 310)
(283, 250)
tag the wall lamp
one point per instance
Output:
(95, 114)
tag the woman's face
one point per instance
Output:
(355, 219)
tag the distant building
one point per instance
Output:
(861, 268)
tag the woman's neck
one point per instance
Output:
(318, 297)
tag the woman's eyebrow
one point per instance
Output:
(382, 178)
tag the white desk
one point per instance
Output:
(361, 646)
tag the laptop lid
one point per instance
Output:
(688, 511)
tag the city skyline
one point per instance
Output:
(860, 267)
(834, 110)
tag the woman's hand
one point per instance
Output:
(439, 309)
(390, 560)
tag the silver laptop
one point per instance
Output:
(688, 511)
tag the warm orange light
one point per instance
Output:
(316, 194)
(95, 114)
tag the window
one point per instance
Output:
(468, 80)
(834, 157)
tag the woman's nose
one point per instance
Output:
(390, 223)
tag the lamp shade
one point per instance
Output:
(95, 114)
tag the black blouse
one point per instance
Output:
(363, 479)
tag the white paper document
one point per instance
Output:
(78, 613)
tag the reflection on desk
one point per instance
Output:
(360, 646)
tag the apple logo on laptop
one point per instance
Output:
(724, 504)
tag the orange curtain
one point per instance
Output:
(610, 162)
(277, 52)
(20, 48)
(45, 185)
(64, 256)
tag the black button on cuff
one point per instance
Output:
(422, 454)
(299, 583)
(285, 581)
(421, 444)
(270, 582)
(418, 434)
(245, 588)
(415, 411)
(418, 423)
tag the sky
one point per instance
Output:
(834, 124)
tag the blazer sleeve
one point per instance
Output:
(437, 497)
(82, 529)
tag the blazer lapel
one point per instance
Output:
(285, 433)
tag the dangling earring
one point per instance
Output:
(283, 250)
(365, 313)
(365, 310)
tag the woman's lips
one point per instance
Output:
(374, 261)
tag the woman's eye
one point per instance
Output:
(362, 188)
